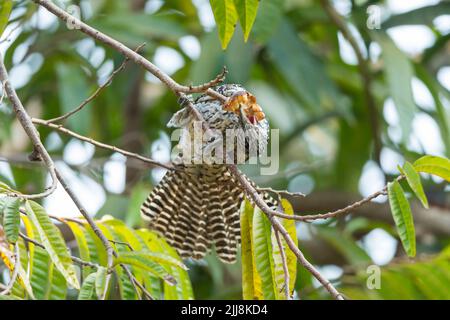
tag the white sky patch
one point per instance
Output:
(153, 6)
(114, 173)
(346, 51)
(380, 246)
(53, 142)
(442, 23)
(105, 71)
(90, 193)
(190, 46)
(390, 112)
(168, 59)
(5, 170)
(427, 132)
(161, 151)
(97, 57)
(397, 6)
(19, 75)
(372, 180)
(444, 77)
(205, 14)
(85, 46)
(78, 152)
(330, 272)
(344, 7)
(412, 39)
(395, 134)
(389, 160)
(43, 19)
(422, 95)
(302, 183)
(374, 51)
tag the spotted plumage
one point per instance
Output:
(196, 206)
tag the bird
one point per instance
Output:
(196, 205)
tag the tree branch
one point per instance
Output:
(251, 192)
(102, 145)
(96, 92)
(120, 47)
(31, 132)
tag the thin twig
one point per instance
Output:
(102, 145)
(109, 249)
(96, 92)
(15, 272)
(285, 266)
(253, 194)
(214, 82)
(120, 47)
(74, 259)
(280, 193)
(333, 214)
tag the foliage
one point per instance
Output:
(48, 270)
(291, 55)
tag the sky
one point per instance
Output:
(410, 39)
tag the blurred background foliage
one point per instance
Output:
(304, 74)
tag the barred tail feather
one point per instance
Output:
(197, 209)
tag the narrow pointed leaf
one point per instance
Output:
(5, 11)
(403, 218)
(47, 282)
(399, 73)
(87, 291)
(100, 281)
(414, 182)
(263, 253)
(82, 245)
(145, 263)
(226, 17)
(291, 259)
(249, 292)
(437, 166)
(11, 219)
(183, 289)
(247, 10)
(53, 242)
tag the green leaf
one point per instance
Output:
(87, 291)
(183, 288)
(46, 280)
(306, 75)
(246, 10)
(82, 245)
(421, 16)
(291, 259)
(399, 73)
(53, 242)
(72, 91)
(100, 281)
(144, 262)
(157, 257)
(403, 218)
(5, 10)
(270, 14)
(414, 182)
(226, 17)
(263, 253)
(437, 166)
(251, 282)
(11, 219)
